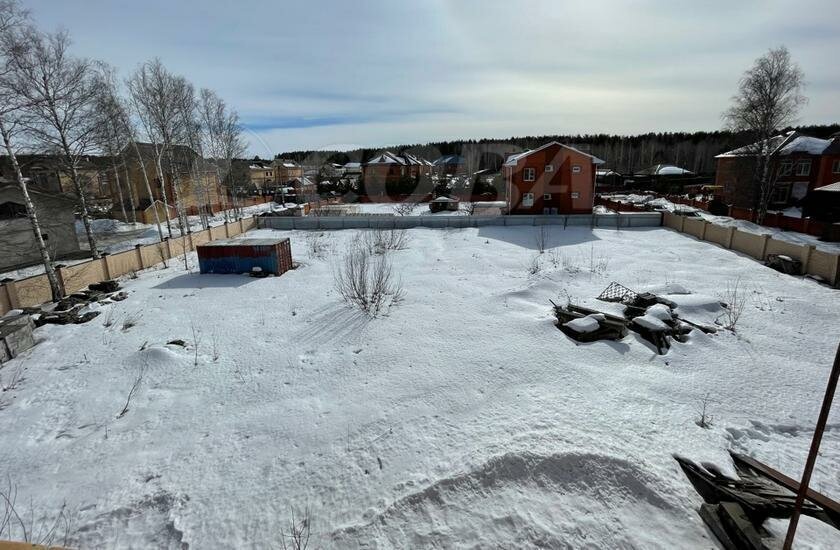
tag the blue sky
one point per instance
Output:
(338, 74)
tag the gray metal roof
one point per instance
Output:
(245, 242)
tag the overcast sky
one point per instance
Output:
(339, 74)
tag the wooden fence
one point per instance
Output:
(35, 290)
(814, 262)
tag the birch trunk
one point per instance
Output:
(148, 187)
(119, 188)
(55, 287)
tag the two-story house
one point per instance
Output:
(552, 179)
(799, 164)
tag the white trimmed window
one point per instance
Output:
(576, 169)
(786, 168)
(549, 168)
(547, 197)
(530, 174)
(575, 195)
(835, 167)
(803, 168)
(528, 199)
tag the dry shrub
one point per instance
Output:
(365, 280)
(381, 241)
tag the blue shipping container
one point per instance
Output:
(243, 255)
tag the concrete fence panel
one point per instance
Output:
(825, 265)
(717, 234)
(695, 227)
(124, 262)
(748, 243)
(153, 254)
(795, 251)
(78, 276)
(33, 291)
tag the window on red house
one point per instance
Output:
(530, 174)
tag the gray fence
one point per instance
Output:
(624, 219)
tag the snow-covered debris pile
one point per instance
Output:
(657, 318)
(586, 324)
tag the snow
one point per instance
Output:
(463, 418)
(805, 144)
(586, 324)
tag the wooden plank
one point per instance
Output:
(788, 482)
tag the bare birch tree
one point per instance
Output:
(223, 136)
(12, 17)
(110, 133)
(156, 94)
(58, 92)
(769, 98)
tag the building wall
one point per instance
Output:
(571, 189)
(57, 225)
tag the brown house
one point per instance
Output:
(198, 179)
(286, 170)
(552, 179)
(799, 165)
(387, 169)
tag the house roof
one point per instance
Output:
(787, 144)
(832, 187)
(663, 170)
(444, 199)
(513, 159)
(406, 159)
(449, 159)
(60, 197)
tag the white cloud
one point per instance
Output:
(384, 72)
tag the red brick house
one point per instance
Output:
(388, 171)
(800, 164)
(552, 179)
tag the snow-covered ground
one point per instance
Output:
(744, 225)
(462, 419)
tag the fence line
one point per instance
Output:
(634, 219)
(814, 262)
(35, 290)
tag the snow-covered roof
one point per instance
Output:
(444, 199)
(664, 170)
(833, 187)
(514, 159)
(783, 144)
(353, 165)
(449, 159)
(805, 144)
(405, 159)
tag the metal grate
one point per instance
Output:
(616, 292)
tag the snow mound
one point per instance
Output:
(667, 288)
(157, 357)
(585, 324)
(526, 500)
(698, 308)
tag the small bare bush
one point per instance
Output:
(296, 535)
(535, 266)
(366, 281)
(734, 299)
(381, 241)
(23, 525)
(404, 208)
(598, 263)
(541, 238)
(135, 386)
(131, 320)
(316, 246)
(705, 420)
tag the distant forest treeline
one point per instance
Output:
(626, 154)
